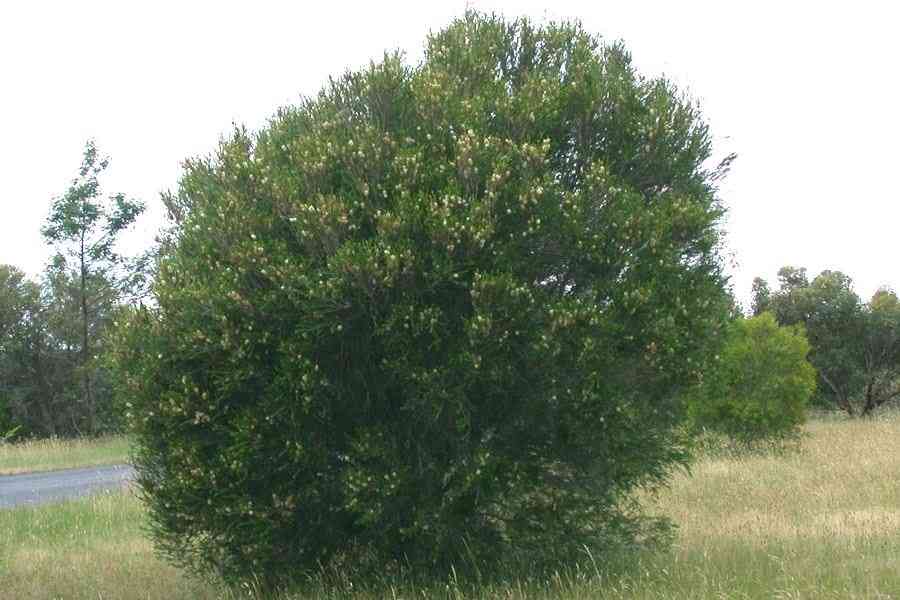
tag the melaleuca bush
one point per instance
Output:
(438, 313)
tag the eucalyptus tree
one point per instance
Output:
(855, 345)
(35, 365)
(87, 274)
(19, 301)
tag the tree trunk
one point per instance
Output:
(87, 399)
(870, 401)
(874, 400)
(842, 400)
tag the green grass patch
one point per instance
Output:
(50, 454)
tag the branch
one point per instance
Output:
(842, 402)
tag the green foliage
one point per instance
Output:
(855, 345)
(761, 296)
(20, 321)
(38, 359)
(88, 277)
(760, 385)
(436, 314)
(881, 339)
(52, 333)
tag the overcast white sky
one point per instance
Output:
(806, 93)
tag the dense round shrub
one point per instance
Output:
(760, 385)
(439, 312)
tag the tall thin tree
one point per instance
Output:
(84, 226)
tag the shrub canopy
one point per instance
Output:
(436, 312)
(761, 384)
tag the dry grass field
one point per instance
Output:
(51, 454)
(821, 522)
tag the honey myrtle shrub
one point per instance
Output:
(440, 313)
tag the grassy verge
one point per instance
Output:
(823, 522)
(50, 454)
(90, 548)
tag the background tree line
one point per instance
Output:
(806, 342)
(52, 331)
(854, 345)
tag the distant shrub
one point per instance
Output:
(436, 315)
(760, 385)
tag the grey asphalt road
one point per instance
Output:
(52, 486)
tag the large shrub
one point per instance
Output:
(437, 312)
(760, 385)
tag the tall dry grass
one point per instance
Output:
(55, 453)
(90, 548)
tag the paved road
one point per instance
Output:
(50, 486)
